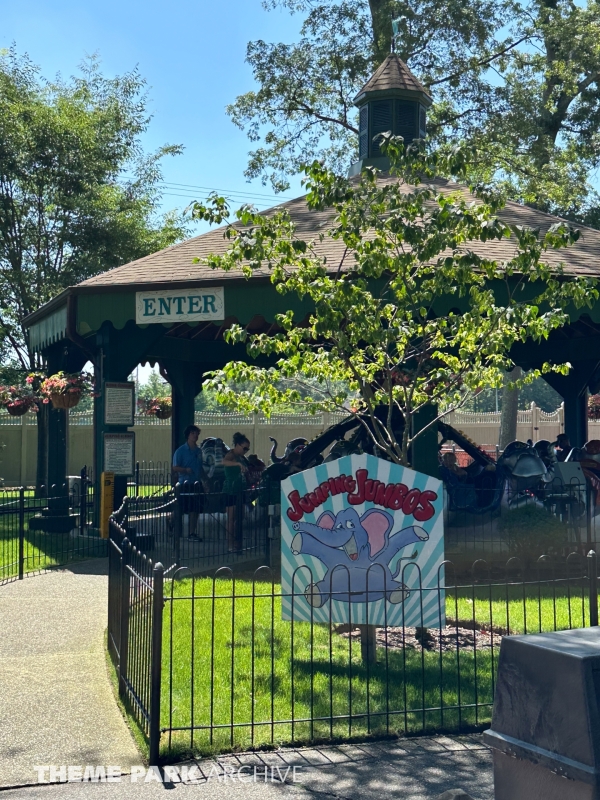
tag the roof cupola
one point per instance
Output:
(391, 100)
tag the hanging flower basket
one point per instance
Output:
(594, 406)
(18, 400)
(65, 390)
(159, 407)
(69, 400)
(17, 409)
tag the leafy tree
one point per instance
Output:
(404, 246)
(154, 387)
(517, 78)
(77, 193)
(67, 211)
(538, 392)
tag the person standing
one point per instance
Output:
(562, 446)
(187, 464)
(235, 474)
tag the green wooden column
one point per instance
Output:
(118, 352)
(186, 381)
(55, 517)
(424, 455)
(574, 390)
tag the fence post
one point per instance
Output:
(535, 425)
(589, 500)
(177, 523)
(124, 626)
(368, 643)
(21, 531)
(82, 501)
(593, 576)
(156, 667)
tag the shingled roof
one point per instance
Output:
(392, 74)
(176, 264)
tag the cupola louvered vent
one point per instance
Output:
(406, 120)
(363, 142)
(382, 122)
(422, 123)
(393, 100)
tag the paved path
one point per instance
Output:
(56, 702)
(57, 707)
(413, 769)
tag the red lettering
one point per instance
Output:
(380, 494)
(324, 489)
(349, 484)
(389, 491)
(336, 485)
(313, 498)
(306, 505)
(411, 501)
(359, 497)
(295, 512)
(425, 510)
(370, 489)
(398, 496)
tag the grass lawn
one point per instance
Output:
(271, 677)
(40, 550)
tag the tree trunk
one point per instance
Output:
(41, 477)
(510, 410)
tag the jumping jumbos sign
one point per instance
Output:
(180, 305)
(362, 541)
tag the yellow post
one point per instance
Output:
(107, 495)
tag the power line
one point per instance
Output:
(257, 203)
(225, 191)
(192, 186)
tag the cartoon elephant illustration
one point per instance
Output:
(358, 543)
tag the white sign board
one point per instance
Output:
(119, 453)
(362, 541)
(180, 305)
(119, 400)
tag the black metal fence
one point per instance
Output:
(150, 478)
(209, 663)
(491, 524)
(135, 611)
(189, 527)
(25, 549)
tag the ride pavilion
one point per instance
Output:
(169, 309)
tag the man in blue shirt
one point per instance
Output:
(187, 464)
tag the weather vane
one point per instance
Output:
(395, 31)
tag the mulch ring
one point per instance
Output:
(457, 633)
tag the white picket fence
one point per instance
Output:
(535, 424)
(18, 435)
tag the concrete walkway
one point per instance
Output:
(413, 769)
(57, 708)
(56, 702)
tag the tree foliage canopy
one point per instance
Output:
(77, 193)
(382, 334)
(519, 79)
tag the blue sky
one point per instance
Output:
(191, 54)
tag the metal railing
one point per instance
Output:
(25, 549)
(186, 526)
(210, 663)
(495, 522)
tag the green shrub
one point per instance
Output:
(531, 532)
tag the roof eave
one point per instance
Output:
(404, 94)
(48, 308)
